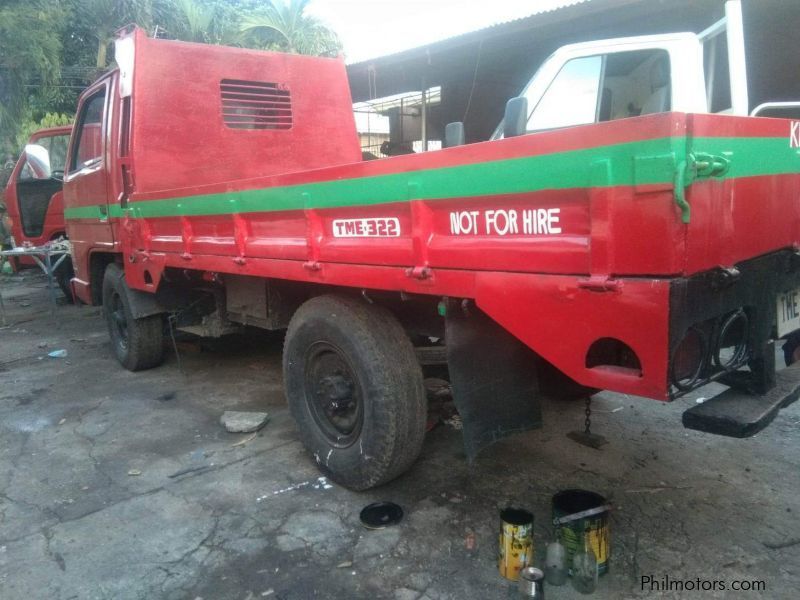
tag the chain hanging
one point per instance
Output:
(588, 422)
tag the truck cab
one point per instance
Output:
(220, 115)
(606, 80)
(34, 196)
(595, 82)
(33, 192)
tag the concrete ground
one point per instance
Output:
(122, 485)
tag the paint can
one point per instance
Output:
(531, 583)
(581, 521)
(515, 543)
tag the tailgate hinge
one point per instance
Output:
(696, 166)
(419, 272)
(600, 283)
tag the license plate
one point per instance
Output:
(788, 312)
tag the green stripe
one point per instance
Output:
(561, 170)
(90, 212)
(753, 157)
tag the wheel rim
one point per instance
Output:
(117, 321)
(333, 394)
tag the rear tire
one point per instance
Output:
(355, 390)
(63, 275)
(790, 347)
(138, 343)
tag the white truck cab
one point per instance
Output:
(605, 80)
(614, 79)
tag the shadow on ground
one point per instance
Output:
(121, 485)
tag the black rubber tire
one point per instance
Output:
(63, 274)
(142, 345)
(389, 381)
(790, 345)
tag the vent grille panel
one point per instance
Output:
(255, 104)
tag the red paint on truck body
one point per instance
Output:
(269, 203)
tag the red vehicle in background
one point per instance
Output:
(34, 198)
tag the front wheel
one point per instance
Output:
(355, 390)
(63, 275)
(138, 343)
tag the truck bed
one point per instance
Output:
(509, 223)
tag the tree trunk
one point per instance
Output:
(102, 52)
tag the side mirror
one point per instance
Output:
(454, 134)
(37, 162)
(515, 120)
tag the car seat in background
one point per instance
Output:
(659, 100)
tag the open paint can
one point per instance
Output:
(581, 521)
(515, 543)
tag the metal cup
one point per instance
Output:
(531, 583)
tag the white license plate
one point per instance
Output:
(788, 312)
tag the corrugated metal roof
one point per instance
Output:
(566, 4)
(488, 29)
(479, 70)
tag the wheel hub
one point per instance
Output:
(333, 394)
(119, 323)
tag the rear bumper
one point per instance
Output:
(699, 307)
(738, 414)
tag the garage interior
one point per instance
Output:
(479, 71)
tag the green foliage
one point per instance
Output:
(29, 126)
(100, 19)
(28, 59)
(50, 50)
(204, 22)
(284, 25)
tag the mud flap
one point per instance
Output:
(493, 378)
(142, 304)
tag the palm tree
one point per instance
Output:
(284, 25)
(196, 21)
(104, 17)
(206, 22)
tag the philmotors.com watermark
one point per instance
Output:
(665, 583)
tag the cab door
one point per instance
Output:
(86, 197)
(614, 79)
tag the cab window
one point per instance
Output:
(571, 98)
(88, 148)
(57, 148)
(606, 87)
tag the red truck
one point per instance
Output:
(628, 241)
(34, 198)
